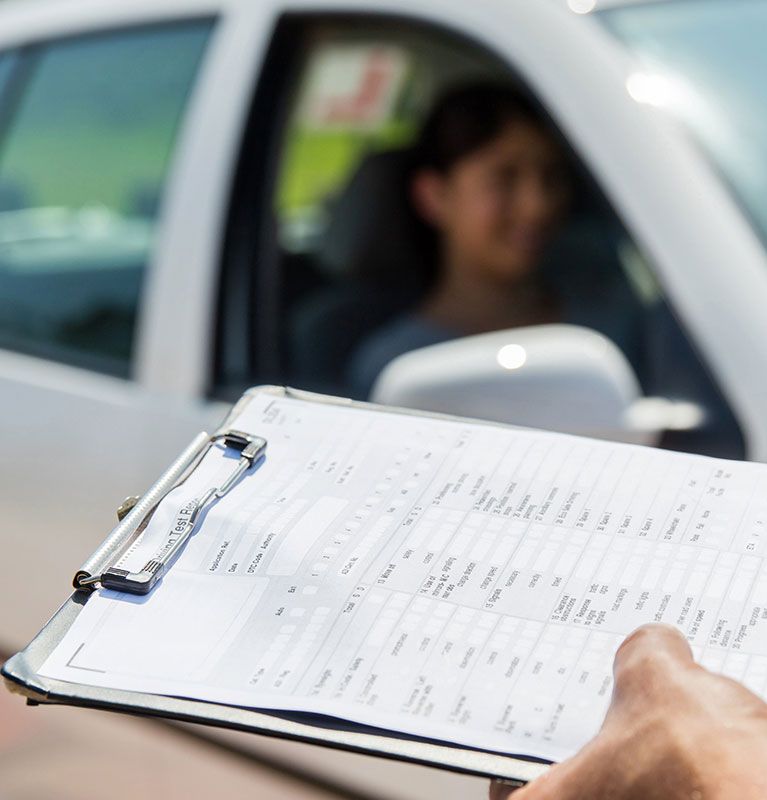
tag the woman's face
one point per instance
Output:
(498, 207)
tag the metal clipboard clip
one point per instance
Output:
(251, 449)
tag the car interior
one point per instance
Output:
(363, 261)
(348, 258)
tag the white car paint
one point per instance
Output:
(74, 442)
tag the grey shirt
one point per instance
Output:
(611, 315)
(405, 333)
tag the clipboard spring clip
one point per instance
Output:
(251, 449)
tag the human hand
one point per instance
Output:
(673, 730)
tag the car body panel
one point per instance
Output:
(75, 442)
(639, 156)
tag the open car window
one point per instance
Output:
(334, 256)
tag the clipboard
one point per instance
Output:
(21, 676)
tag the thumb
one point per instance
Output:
(641, 669)
(651, 641)
(501, 789)
(646, 659)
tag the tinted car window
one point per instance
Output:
(83, 159)
(6, 62)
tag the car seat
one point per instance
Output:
(375, 258)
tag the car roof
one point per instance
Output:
(31, 20)
(600, 4)
(33, 17)
(31, 11)
(33, 8)
(583, 6)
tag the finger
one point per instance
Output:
(514, 790)
(648, 665)
(652, 642)
(500, 790)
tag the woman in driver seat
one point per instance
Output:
(492, 186)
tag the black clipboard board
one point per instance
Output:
(22, 677)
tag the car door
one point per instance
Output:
(321, 170)
(89, 125)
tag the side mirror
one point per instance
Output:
(558, 377)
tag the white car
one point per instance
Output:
(183, 209)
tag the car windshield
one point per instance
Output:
(705, 61)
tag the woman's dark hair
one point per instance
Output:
(463, 120)
(467, 118)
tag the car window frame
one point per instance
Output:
(258, 309)
(244, 318)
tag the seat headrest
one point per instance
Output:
(374, 235)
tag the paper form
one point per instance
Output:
(451, 580)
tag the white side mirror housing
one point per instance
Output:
(558, 377)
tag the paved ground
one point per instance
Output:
(50, 753)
